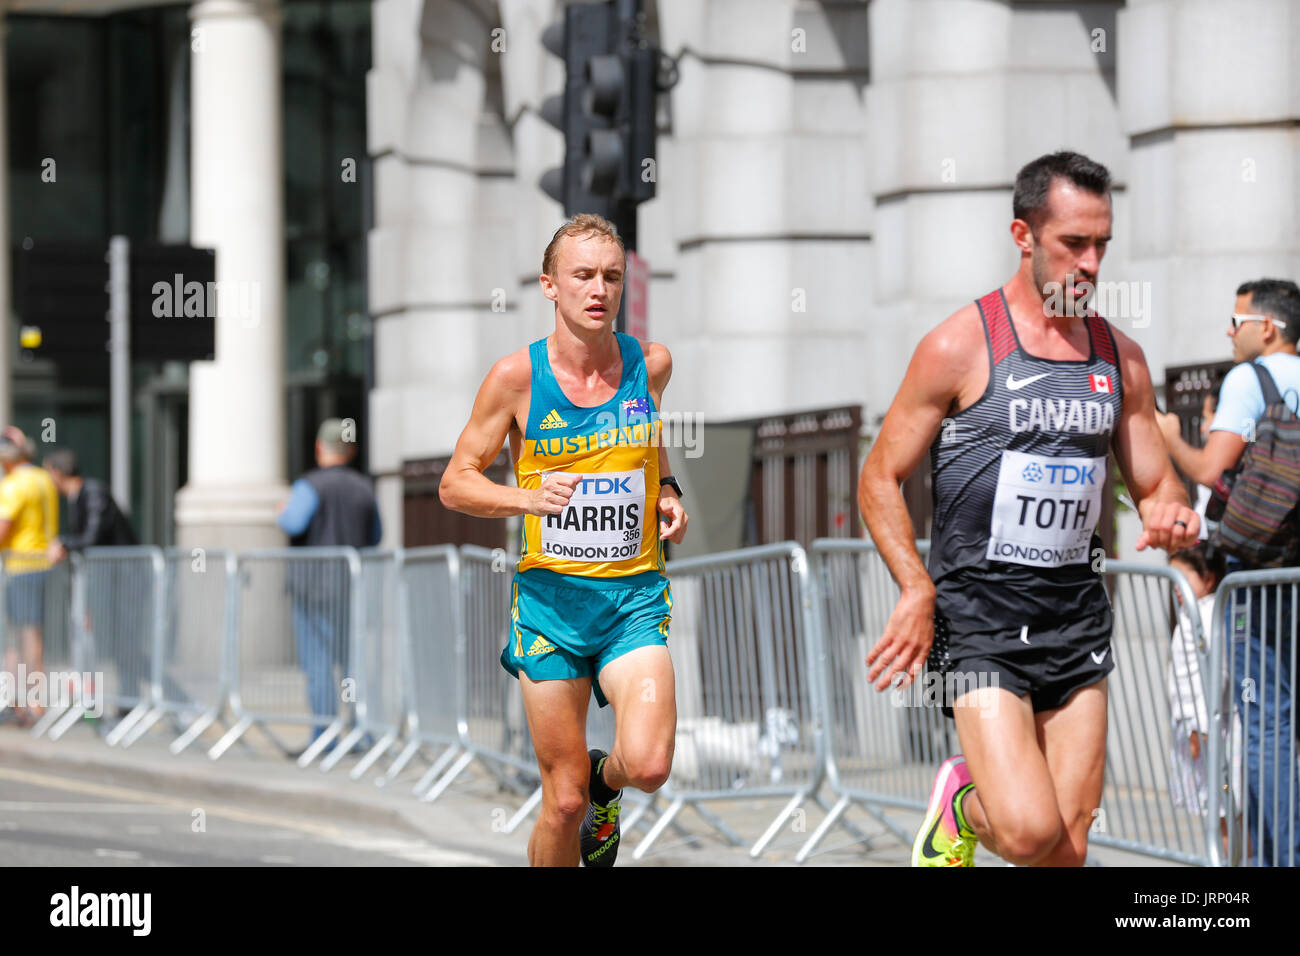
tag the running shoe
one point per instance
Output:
(944, 838)
(600, 832)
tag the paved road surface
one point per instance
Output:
(56, 818)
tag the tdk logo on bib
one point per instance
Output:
(1045, 509)
(605, 486)
(1061, 474)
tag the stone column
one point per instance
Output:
(237, 401)
(1208, 97)
(963, 93)
(767, 206)
(442, 282)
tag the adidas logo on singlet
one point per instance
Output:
(553, 420)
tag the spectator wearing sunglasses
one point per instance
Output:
(1265, 326)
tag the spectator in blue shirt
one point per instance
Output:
(329, 505)
(1265, 328)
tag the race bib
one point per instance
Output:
(602, 521)
(1045, 510)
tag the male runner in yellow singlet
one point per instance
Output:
(590, 604)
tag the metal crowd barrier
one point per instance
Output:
(398, 651)
(198, 640)
(380, 699)
(493, 729)
(456, 606)
(749, 725)
(121, 610)
(884, 748)
(430, 609)
(293, 614)
(1152, 803)
(1253, 746)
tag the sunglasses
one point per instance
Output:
(1239, 320)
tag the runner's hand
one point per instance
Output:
(904, 646)
(1169, 525)
(670, 507)
(551, 497)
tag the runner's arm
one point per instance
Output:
(659, 369)
(909, 428)
(464, 487)
(931, 383)
(1143, 461)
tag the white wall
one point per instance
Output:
(854, 160)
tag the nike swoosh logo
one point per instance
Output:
(1101, 658)
(1014, 385)
(928, 849)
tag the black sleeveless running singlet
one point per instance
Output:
(1017, 481)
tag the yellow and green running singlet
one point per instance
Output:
(610, 528)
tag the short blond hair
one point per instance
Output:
(583, 224)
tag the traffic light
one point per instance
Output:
(607, 111)
(61, 296)
(620, 151)
(585, 33)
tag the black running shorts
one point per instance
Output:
(1046, 662)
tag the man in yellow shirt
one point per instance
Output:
(29, 521)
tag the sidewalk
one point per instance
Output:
(468, 818)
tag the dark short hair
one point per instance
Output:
(1279, 299)
(1035, 180)
(1201, 559)
(63, 460)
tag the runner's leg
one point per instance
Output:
(1013, 807)
(640, 687)
(1073, 737)
(557, 721)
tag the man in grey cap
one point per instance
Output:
(329, 505)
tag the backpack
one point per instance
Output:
(1261, 522)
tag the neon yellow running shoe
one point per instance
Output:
(599, 835)
(945, 839)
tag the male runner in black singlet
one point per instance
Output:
(1019, 398)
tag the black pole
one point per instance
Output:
(628, 15)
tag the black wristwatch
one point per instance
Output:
(670, 480)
